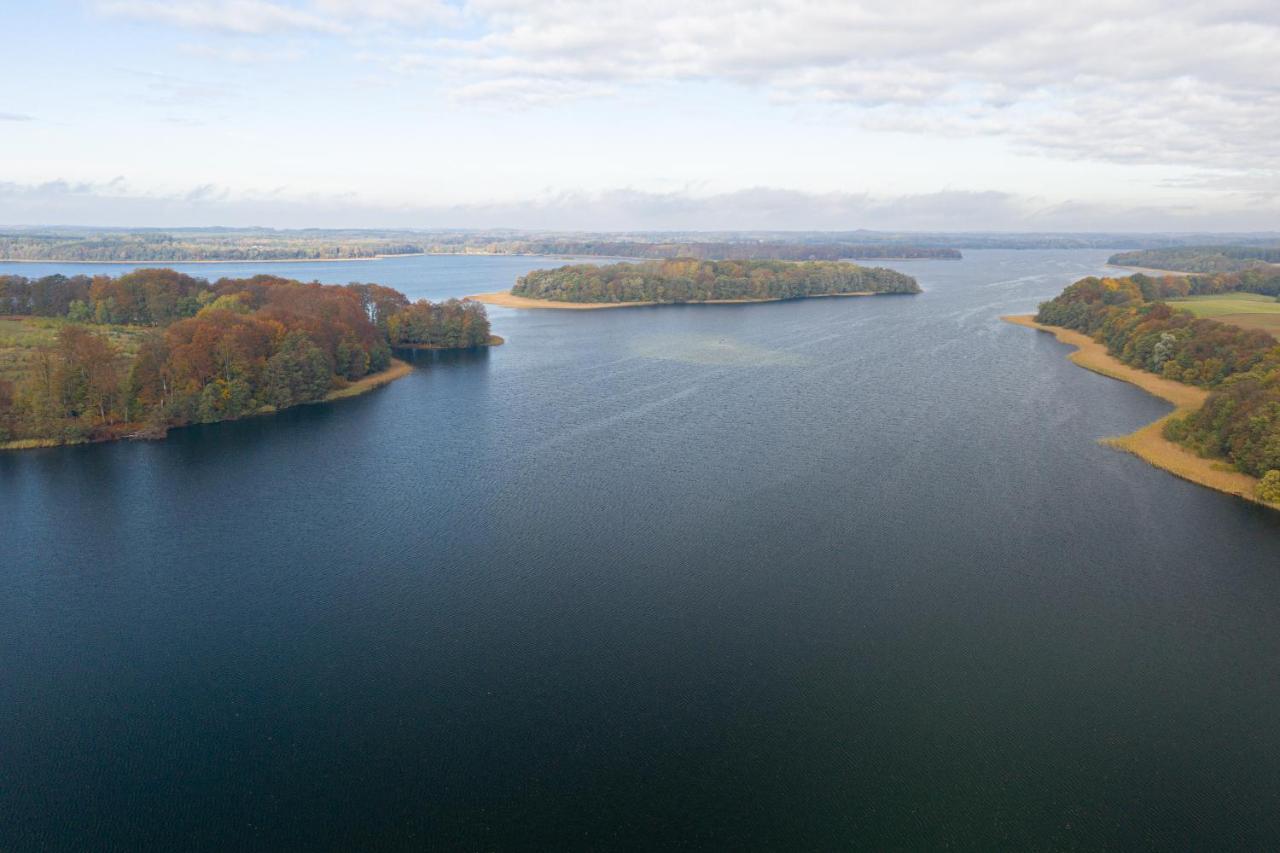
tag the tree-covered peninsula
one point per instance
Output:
(687, 280)
(1200, 259)
(1239, 421)
(86, 359)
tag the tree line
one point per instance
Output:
(213, 351)
(160, 247)
(689, 280)
(745, 250)
(150, 246)
(1200, 259)
(1240, 421)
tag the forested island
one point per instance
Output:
(90, 359)
(1235, 416)
(1200, 259)
(687, 280)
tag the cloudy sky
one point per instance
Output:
(889, 114)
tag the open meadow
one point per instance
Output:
(1248, 310)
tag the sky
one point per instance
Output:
(1017, 115)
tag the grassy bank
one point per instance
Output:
(1149, 443)
(21, 336)
(1246, 310)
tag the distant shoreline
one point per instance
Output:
(506, 299)
(1149, 443)
(580, 258)
(164, 263)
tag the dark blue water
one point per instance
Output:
(816, 574)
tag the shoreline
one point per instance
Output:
(1148, 443)
(397, 370)
(494, 341)
(164, 264)
(507, 299)
(382, 257)
(1152, 271)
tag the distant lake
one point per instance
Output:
(817, 574)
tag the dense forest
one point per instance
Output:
(203, 351)
(1264, 280)
(1240, 421)
(687, 280)
(1200, 259)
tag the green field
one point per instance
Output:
(1248, 310)
(20, 336)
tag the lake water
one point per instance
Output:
(805, 575)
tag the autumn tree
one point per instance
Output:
(297, 373)
(8, 416)
(88, 377)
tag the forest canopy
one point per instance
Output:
(201, 351)
(1240, 421)
(688, 280)
(1200, 259)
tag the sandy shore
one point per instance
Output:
(506, 299)
(1150, 271)
(398, 370)
(494, 341)
(1149, 442)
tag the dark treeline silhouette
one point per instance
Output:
(1200, 259)
(214, 352)
(1241, 419)
(687, 280)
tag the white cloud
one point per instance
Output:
(1184, 86)
(16, 117)
(260, 17)
(394, 11)
(1159, 81)
(237, 54)
(252, 17)
(1119, 80)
